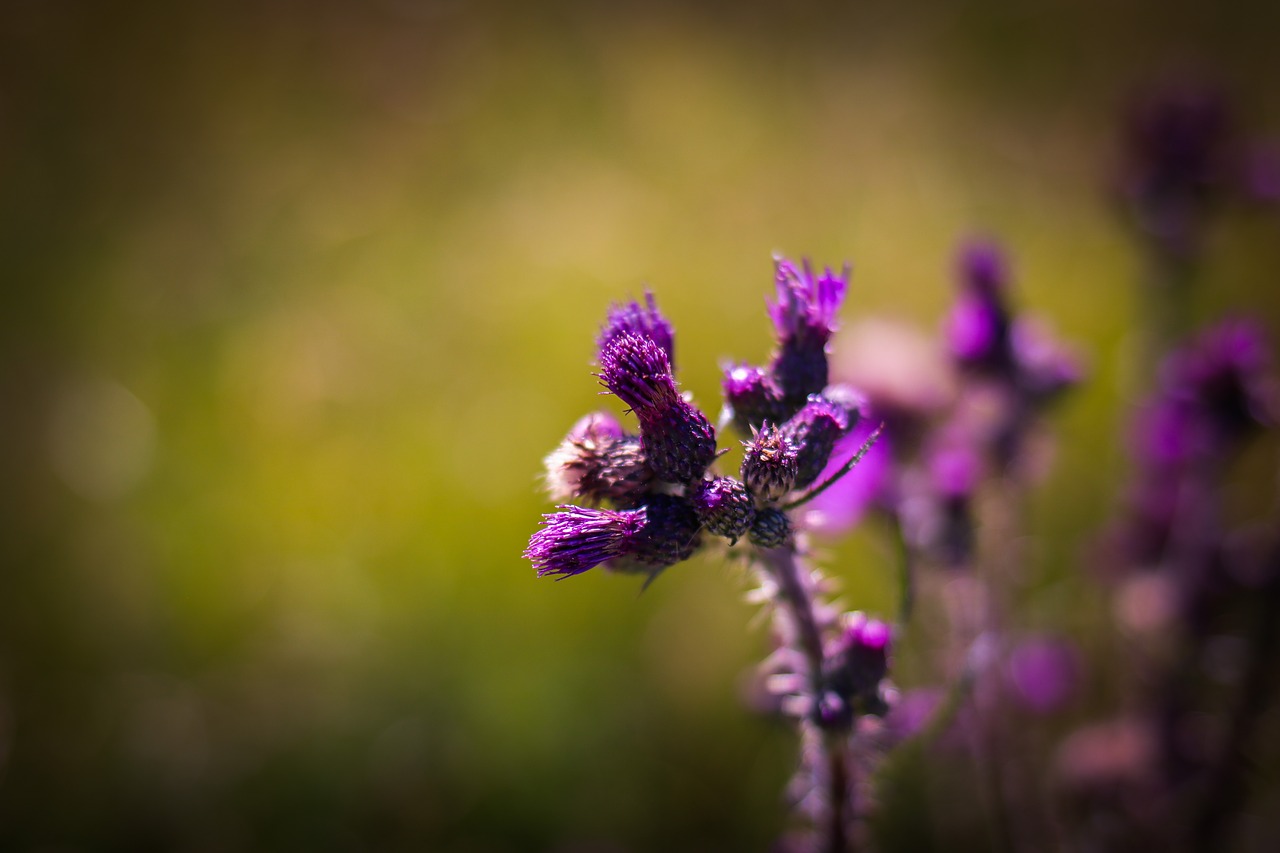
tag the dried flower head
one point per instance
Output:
(598, 462)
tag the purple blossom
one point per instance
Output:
(670, 534)
(814, 431)
(978, 326)
(579, 538)
(1174, 162)
(751, 397)
(1224, 373)
(854, 667)
(770, 464)
(637, 370)
(639, 319)
(678, 440)
(804, 317)
(724, 506)
(1044, 673)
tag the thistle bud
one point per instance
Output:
(770, 529)
(751, 397)
(813, 431)
(678, 440)
(640, 319)
(855, 667)
(770, 465)
(724, 506)
(670, 534)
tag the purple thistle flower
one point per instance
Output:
(724, 506)
(598, 462)
(640, 319)
(770, 528)
(1224, 372)
(678, 440)
(1045, 367)
(579, 538)
(854, 667)
(751, 397)
(770, 465)
(670, 535)
(637, 370)
(1174, 160)
(978, 326)
(814, 431)
(804, 318)
(1044, 673)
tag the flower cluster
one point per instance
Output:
(650, 496)
(647, 500)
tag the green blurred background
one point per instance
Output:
(298, 294)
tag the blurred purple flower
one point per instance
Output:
(1044, 673)
(843, 505)
(978, 325)
(1174, 157)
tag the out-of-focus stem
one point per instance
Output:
(783, 565)
(906, 574)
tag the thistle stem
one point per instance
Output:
(784, 567)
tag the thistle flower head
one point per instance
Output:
(724, 506)
(670, 534)
(855, 664)
(644, 320)
(1224, 373)
(860, 659)
(598, 462)
(814, 431)
(804, 318)
(637, 370)
(770, 528)
(579, 538)
(678, 440)
(1174, 160)
(978, 325)
(807, 305)
(770, 465)
(751, 397)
